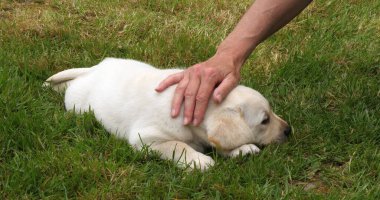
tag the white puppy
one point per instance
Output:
(121, 94)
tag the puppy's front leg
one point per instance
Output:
(244, 150)
(183, 154)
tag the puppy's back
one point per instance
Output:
(121, 93)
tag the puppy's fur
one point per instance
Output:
(121, 94)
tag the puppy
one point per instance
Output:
(121, 94)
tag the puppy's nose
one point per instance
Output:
(287, 131)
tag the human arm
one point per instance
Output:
(218, 75)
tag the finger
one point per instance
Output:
(169, 81)
(201, 100)
(224, 88)
(190, 94)
(178, 95)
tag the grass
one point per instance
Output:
(321, 73)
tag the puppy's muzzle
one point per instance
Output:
(287, 131)
(284, 137)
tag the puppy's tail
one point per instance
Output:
(61, 80)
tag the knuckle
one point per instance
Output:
(197, 70)
(201, 98)
(210, 73)
(173, 77)
(188, 94)
(197, 66)
(180, 88)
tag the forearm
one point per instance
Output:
(261, 20)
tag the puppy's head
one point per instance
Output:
(244, 117)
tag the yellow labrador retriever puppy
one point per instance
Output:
(121, 94)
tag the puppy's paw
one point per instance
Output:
(244, 150)
(201, 162)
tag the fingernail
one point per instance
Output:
(173, 112)
(219, 98)
(195, 122)
(186, 121)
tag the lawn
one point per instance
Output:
(321, 73)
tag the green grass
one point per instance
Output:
(321, 73)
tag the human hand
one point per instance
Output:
(217, 76)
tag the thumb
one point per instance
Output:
(224, 88)
(169, 81)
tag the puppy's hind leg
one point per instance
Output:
(183, 154)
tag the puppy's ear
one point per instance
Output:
(228, 129)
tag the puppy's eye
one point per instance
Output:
(265, 121)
